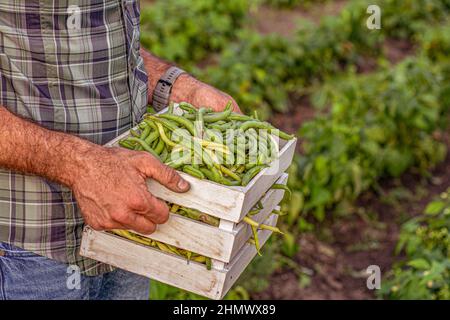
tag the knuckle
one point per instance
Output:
(148, 229)
(159, 211)
(163, 216)
(137, 202)
(120, 216)
(169, 175)
(146, 158)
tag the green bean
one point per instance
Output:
(172, 126)
(180, 120)
(134, 133)
(164, 154)
(208, 263)
(257, 225)
(255, 237)
(259, 204)
(159, 146)
(240, 117)
(144, 145)
(265, 125)
(253, 212)
(215, 116)
(283, 135)
(200, 216)
(152, 137)
(227, 182)
(221, 127)
(207, 156)
(124, 143)
(218, 116)
(176, 163)
(145, 132)
(193, 171)
(282, 187)
(229, 173)
(199, 125)
(213, 135)
(250, 174)
(211, 174)
(150, 123)
(187, 107)
(278, 212)
(164, 137)
(273, 147)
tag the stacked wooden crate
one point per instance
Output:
(227, 245)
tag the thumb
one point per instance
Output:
(168, 177)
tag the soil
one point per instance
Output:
(267, 20)
(301, 110)
(396, 50)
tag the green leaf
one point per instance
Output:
(419, 264)
(289, 246)
(434, 208)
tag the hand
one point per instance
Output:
(112, 193)
(200, 94)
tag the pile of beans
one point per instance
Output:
(224, 147)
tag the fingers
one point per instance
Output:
(140, 224)
(168, 177)
(144, 204)
(158, 210)
(133, 222)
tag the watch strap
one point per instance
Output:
(161, 94)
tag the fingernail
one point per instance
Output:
(183, 184)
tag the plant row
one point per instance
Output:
(260, 70)
(379, 125)
(425, 240)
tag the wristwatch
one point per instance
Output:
(163, 88)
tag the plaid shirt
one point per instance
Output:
(72, 66)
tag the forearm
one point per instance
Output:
(183, 88)
(29, 148)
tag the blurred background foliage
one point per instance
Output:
(369, 106)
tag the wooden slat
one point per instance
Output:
(167, 268)
(211, 241)
(152, 263)
(229, 203)
(195, 236)
(220, 201)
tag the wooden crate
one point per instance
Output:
(225, 202)
(226, 245)
(168, 268)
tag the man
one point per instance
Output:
(72, 77)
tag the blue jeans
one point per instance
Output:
(28, 276)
